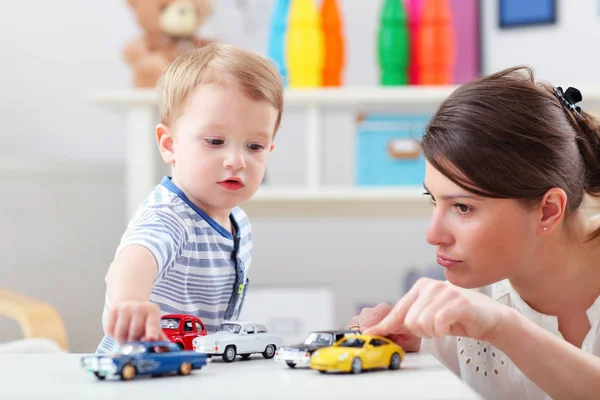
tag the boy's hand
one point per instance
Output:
(434, 309)
(370, 317)
(134, 320)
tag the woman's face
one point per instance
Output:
(478, 240)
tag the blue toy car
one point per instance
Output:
(144, 358)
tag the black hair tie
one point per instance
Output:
(569, 98)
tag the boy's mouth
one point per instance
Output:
(233, 183)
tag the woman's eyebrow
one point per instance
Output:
(454, 196)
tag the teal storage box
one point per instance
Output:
(387, 150)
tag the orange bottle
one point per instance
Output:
(333, 43)
(304, 49)
(436, 43)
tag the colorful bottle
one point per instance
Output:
(393, 44)
(436, 52)
(276, 44)
(414, 14)
(304, 45)
(333, 43)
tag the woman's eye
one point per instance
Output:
(462, 208)
(215, 142)
(431, 199)
(255, 147)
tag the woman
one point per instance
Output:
(509, 163)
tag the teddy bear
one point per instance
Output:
(169, 28)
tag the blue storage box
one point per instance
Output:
(387, 151)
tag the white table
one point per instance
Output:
(59, 376)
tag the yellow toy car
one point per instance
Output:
(355, 353)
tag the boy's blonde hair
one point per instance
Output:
(218, 63)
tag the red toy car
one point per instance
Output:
(182, 329)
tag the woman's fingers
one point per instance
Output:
(369, 316)
(395, 318)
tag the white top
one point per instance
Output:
(202, 267)
(489, 371)
(60, 376)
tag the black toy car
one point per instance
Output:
(299, 354)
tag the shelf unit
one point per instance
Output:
(314, 198)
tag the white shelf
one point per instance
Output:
(314, 199)
(343, 96)
(339, 194)
(339, 202)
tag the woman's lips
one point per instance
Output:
(445, 262)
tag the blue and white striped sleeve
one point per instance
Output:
(162, 233)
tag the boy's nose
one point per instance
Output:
(235, 161)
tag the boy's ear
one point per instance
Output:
(165, 143)
(272, 147)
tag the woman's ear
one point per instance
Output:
(553, 206)
(166, 145)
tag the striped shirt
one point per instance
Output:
(202, 268)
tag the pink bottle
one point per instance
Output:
(414, 8)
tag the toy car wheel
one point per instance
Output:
(395, 361)
(291, 364)
(269, 351)
(323, 372)
(181, 347)
(229, 354)
(101, 377)
(185, 368)
(128, 372)
(356, 366)
(245, 356)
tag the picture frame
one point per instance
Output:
(519, 13)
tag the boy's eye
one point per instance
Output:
(214, 142)
(255, 146)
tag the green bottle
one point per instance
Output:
(393, 44)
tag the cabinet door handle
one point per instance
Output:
(403, 149)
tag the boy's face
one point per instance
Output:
(219, 146)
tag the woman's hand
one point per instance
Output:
(434, 308)
(370, 317)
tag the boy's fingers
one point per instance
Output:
(153, 329)
(109, 324)
(122, 326)
(163, 336)
(136, 327)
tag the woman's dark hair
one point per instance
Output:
(505, 136)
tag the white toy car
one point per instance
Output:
(238, 337)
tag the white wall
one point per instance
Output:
(565, 53)
(69, 47)
(59, 231)
(60, 225)
(51, 57)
